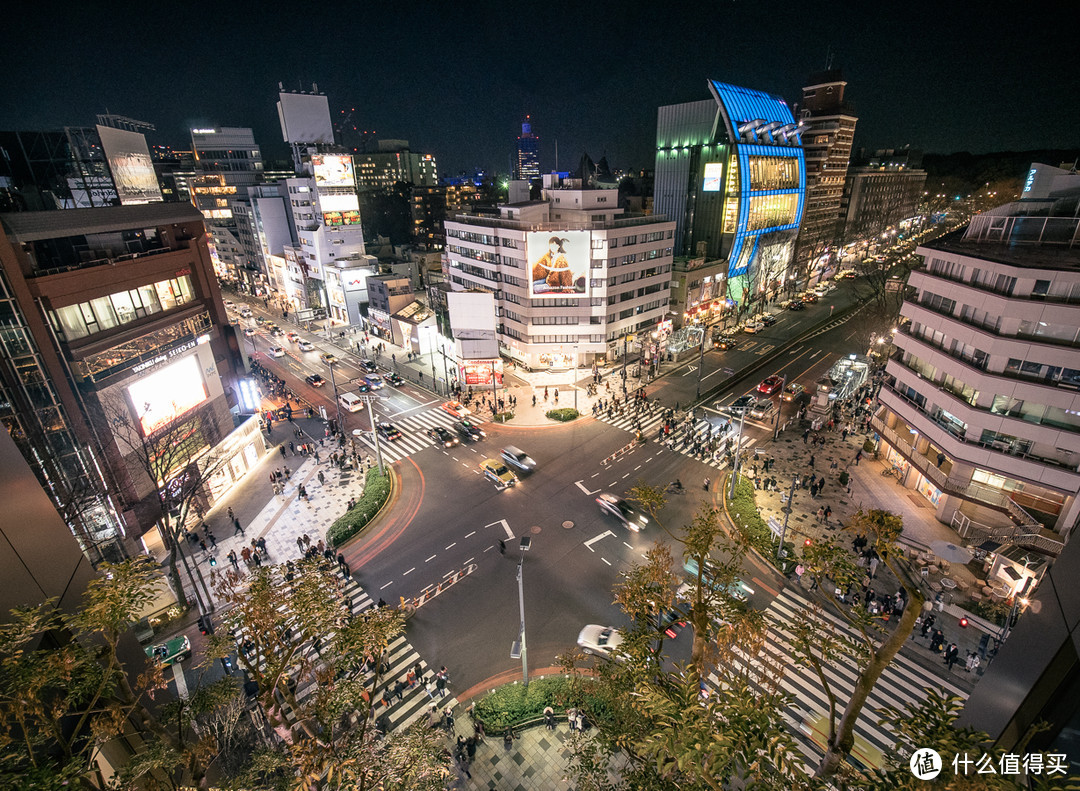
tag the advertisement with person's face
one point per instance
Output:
(559, 263)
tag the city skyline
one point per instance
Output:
(931, 81)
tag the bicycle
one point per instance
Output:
(895, 471)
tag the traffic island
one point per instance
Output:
(564, 415)
(518, 706)
(377, 489)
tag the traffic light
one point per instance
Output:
(213, 561)
(205, 626)
(808, 542)
(963, 623)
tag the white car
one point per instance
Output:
(599, 640)
(754, 326)
(763, 409)
(277, 351)
(230, 304)
(306, 346)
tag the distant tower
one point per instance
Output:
(528, 153)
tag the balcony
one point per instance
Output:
(1007, 293)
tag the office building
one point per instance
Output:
(880, 191)
(730, 173)
(394, 162)
(981, 410)
(828, 130)
(527, 163)
(116, 310)
(572, 274)
(387, 294)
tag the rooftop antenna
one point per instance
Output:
(556, 155)
(280, 86)
(828, 58)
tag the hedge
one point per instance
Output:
(563, 415)
(516, 704)
(376, 490)
(756, 529)
(994, 612)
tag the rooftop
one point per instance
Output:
(33, 226)
(1022, 234)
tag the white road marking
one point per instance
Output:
(612, 483)
(452, 545)
(410, 571)
(605, 560)
(627, 545)
(387, 585)
(470, 560)
(506, 527)
(181, 682)
(637, 468)
(581, 485)
(473, 533)
(594, 539)
(430, 559)
(718, 370)
(449, 574)
(690, 369)
(627, 475)
(594, 474)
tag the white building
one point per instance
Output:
(981, 410)
(572, 276)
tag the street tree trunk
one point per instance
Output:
(841, 742)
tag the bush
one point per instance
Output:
(376, 490)
(844, 478)
(563, 415)
(502, 417)
(993, 611)
(756, 530)
(515, 704)
(868, 446)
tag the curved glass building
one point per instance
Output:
(730, 171)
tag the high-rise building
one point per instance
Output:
(115, 310)
(881, 191)
(828, 125)
(573, 275)
(730, 173)
(981, 409)
(227, 162)
(394, 162)
(527, 166)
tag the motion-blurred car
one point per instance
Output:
(631, 518)
(171, 651)
(516, 457)
(388, 431)
(793, 391)
(767, 319)
(395, 380)
(725, 342)
(292, 337)
(277, 351)
(737, 588)
(599, 640)
(770, 384)
(249, 331)
(369, 366)
(275, 330)
(497, 471)
(455, 408)
(808, 297)
(468, 430)
(315, 380)
(306, 346)
(796, 304)
(753, 327)
(846, 274)
(245, 311)
(442, 437)
(739, 405)
(328, 358)
(375, 382)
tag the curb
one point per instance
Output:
(390, 498)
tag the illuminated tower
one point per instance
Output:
(528, 153)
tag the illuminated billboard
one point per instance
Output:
(167, 393)
(559, 261)
(333, 170)
(339, 202)
(130, 164)
(714, 172)
(479, 372)
(351, 217)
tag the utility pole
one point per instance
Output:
(738, 447)
(337, 404)
(787, 514)
(780, 409)
(375, 433)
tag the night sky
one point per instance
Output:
(456, 78)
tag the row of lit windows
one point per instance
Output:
(769, 211)
(773, 173)
(104, 313)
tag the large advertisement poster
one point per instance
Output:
(333, 170)
(130, 164)
(559, 261)
(714, 171)
(479, 373)
(168, 393)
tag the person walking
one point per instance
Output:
(549, 718)
(502, 547)
(706, 483)
(238, 529)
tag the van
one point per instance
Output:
(351, 402)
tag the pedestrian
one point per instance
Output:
(928, 621)
(811, 461)
(230, 513)
(232, 559)
(236, 524)
(858, 457)
(706, 484)
(300, 543)
(281, 449)
(828, 513)
(502, 547)
(549, 718)
(968, 661)
(951, 655)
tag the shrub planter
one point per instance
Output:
(376, 492)
(515, 705)
(563, 415)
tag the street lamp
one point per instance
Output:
(337, 404)
(738, 447)
(787, 513)
(518, 648)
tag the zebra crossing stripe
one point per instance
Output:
(414, 433)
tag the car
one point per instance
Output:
(793, 391)
(631, 518)
(770, 384)
(516, 457)
(764, 408)
(369, 366)
(351, 401)
(808, 297)
(249, 331)
(306, 346)
(292, 337)
(362, 386)
(277, 351)
(796, 304)
(245, 311)
(315, 380)
(262, 321)
(388, 431)
(846, 274)
(275, 330)
(455, 408)
(375, 382)
(171, 651)
(599, 640)
(328, 358)
(497, 471)
(395, 380)
(753, 326)
(469, 430)
(767, 319)
(738, 589)
(440, 436)
(740, 404)
(725, 342)
(230, 304)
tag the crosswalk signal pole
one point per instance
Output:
(779, 411)
(787, 514)
(375, 436)
(738, 447)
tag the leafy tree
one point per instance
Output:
(652, 499)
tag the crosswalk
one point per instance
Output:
(400, 658)
(903, 685)
(414, 436)
(651, 423)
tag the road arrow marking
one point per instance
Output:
(592, 541)
(581, 485)
(506, 527)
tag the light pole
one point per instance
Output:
(780, 409)
(787, 514)
(738, 446)
(337, 404)
(519, 648)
